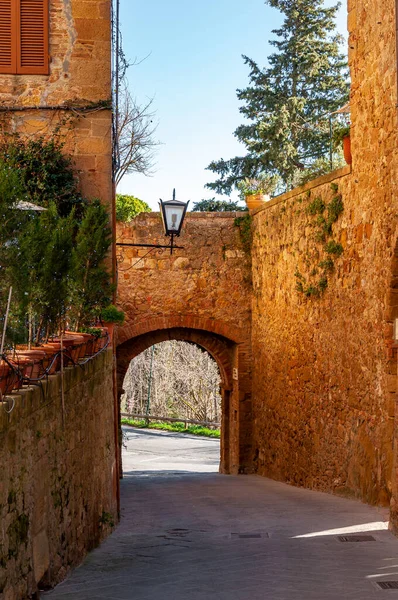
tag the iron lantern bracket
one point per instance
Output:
(162, 246)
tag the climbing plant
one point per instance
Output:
(320, 261)
(45, 173)
(244, 225)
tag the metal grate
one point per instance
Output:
(356, 538)
(388, 585)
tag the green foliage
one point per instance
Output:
(177, 427)
(17, 533)
(94, 331)
(333, 247)
(316, 207)
(54, 258)
(323, 230)
(106, 519)
(128, 207)
(39, 266)
(335, 208)
(46, 175)
(285, 104)
(323, 284)
(320, 166)
(213, 205)
(245, 229)
(266, 184)
(327, 264)
(339, 133)
(111, 314)
(90, 280)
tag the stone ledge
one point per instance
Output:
(329, 177)
(30, 399)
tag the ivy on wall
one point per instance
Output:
(244, 225)
(320, 260)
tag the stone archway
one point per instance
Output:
(228, 348)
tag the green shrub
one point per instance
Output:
(128, 207)
(111, 314)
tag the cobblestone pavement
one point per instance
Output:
(188, 533)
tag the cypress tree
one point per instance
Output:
(90, 281)
(287, 103)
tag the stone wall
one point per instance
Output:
(202, 294)
(209, 278)
(324, 380)
(80, 75)
(58, 493)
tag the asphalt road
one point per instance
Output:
(166, 452)
(189, 533)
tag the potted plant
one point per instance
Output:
(111, 316)
(341, 136)
(94, 344)
(256, 192)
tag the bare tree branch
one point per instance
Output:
(135, 136)
(185, 383)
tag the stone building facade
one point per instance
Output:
(71, 93)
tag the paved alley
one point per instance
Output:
(188, 533)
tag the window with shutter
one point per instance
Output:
(24, 37)
(8, 36)
(32, 45)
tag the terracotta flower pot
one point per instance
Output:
(107, 335)
(54, 364)
(79, 348)
(85, 338)
(4, 376)
(347, 149)
(38, 357)
(90, 345)
(101, 341)
(110, 328)
(254, 201)
(70, 347)
(24, 367)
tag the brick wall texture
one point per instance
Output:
(58, 477)
(80, 74)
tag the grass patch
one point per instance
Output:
(177, 427)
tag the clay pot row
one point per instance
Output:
(35, 362)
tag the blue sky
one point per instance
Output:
(192, 70)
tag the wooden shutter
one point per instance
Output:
(32, 37)
(8, 36)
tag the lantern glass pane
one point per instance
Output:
(174, 215)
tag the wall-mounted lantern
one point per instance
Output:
(173, 215)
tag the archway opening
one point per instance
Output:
(174, 380)
(232, 358)
(171, 409)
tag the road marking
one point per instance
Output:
(151, 459)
